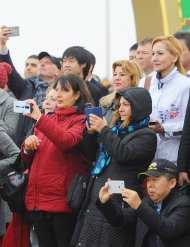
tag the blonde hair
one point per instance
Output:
(132, 69)
(173, 46)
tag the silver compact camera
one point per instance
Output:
(21, 107)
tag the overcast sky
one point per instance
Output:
(54, 25)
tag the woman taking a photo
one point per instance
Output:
(120, 153)
(55, 154)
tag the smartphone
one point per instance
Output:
(93, 110)
(152, 123)
(14, 31)
(116, 186)
(21, 107)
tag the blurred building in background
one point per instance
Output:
(160, 17)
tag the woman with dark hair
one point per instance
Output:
(56, 156)
(120, 153)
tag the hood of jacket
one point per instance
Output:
(140, 101)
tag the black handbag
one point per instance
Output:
(77, 191)
(15, 196)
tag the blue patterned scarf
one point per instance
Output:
(104, 157)
(40, 91)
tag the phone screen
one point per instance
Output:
(152, 123)
(14, 31)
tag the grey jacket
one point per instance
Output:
(8, 119)
(8, 154)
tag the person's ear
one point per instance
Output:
(57, 72)
(172, 183)
(77, 95)
(83, 65)
(175, 58)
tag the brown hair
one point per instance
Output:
(173, 46)
(78, 85)
(147, 40)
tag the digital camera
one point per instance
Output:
(21, 107)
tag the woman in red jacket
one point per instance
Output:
(55, 154)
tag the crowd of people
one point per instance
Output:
(142, 138)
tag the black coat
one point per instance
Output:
(183, 160)
(172, 225)
(102, 88)
(95, 92)
(131, 154)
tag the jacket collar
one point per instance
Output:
(169, 76)
(62, 113)
(170, 197)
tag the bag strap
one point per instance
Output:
(88, 193)
(147, 82)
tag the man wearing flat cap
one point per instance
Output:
(162, 219)
(31, 88)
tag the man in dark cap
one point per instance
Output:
(161, 219)
(31, 88)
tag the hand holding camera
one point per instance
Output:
(5, 33)
(21, 107)
(35, 113)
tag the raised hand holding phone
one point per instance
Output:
(14, 31)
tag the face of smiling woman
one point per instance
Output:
(121, 79)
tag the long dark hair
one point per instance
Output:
(78, 85)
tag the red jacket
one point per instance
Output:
(56, 161)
